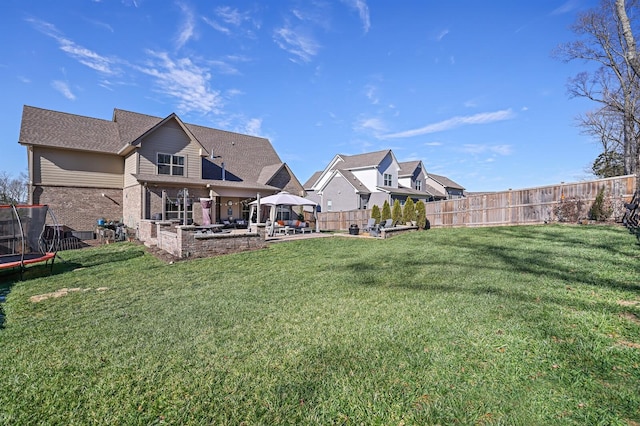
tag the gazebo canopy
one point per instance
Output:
(282, 198)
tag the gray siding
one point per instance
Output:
(170, 139)
(130, 169)
(75, 168)
(342, 195)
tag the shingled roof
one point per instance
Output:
(308, 185)
(62, 130)
(363, 160)
(407, 168)
(251, 158)
(445, 181)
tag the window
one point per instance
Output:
(329, 204)
(174, 209)
(283, 212)
(170, 165)
(419, 185)
(388, 181)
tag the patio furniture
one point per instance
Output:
(371, 223)
(387, 224)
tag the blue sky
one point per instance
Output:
(468, 87)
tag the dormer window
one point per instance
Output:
(388, 179)
(170, 165)
(419, 185)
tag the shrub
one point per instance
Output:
(601, 209)
(409, 211)
(375, 213)
(386, 211)
(421, 214)
(396, 213)
(569, 210)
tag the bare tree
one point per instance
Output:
(614, 84)
(632, 54)
(605, 126)
(13, 190)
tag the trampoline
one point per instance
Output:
(28, 234)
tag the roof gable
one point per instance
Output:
(445, 181)
(170, 118)
(408, 168)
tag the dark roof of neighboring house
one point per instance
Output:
(363, 160)
(445, 181)
(404, 191)
(407, 168)
(433, 191)
(250, 158)
(312, 180)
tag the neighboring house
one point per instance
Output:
(352, 182)
(442, 183)
(138, 166)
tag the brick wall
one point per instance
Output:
(191, 245)
(132, 205)
(80, 208)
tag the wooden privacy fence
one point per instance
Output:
(333, 221)
(514, 207)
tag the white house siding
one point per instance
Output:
(388, 166)
(170, 139)
(79, 169)
(342, 195)
(368, 177)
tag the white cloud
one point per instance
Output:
(183, 80)
(230, 21)
(253, 127)
(375, 125)
(435, 143)
(363, 12)
(296, 42)
(216, 26)
(63, 88)
(493, 149)
(454, 122)
(232, 16)
(442, 34)
(566, 7)
(370, 93)
(81, 54)
(187, 28)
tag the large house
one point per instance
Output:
(137, 166)
(352, 182)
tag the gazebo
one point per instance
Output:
(282, 198)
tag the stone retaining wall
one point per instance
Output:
(396, 230)
(188, 241)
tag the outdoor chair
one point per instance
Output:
(387, 224)
(371, 223)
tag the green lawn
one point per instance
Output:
(532, 325)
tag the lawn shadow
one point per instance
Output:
(5, 289)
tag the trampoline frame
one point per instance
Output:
(46, 248)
